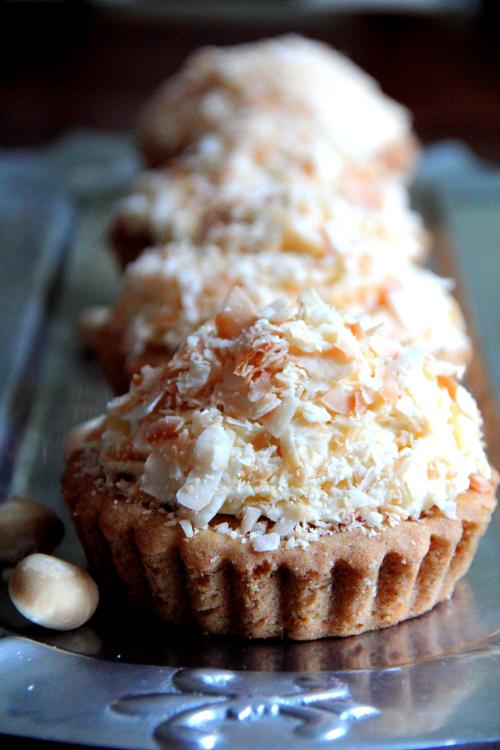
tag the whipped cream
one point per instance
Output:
(294, 416)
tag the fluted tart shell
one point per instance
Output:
(341, 584)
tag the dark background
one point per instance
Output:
(80, 64)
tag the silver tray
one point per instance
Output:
(127, 681)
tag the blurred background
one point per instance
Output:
(91, 64)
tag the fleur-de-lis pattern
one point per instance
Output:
(193, 717)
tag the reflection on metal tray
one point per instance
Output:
(126, 680)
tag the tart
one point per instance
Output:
(304, 80)
(169, 292)
(241, 210)
(287, 473)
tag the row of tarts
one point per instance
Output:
(290, 452)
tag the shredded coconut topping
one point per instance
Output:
(169, 292)
(291, 422)
(305, 79)
(243, 213)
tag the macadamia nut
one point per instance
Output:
(52, 592)
(27, 526)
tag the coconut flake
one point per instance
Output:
(278, 311)
(266, 542)
(164, 429)
(238, 312)
(195, 378)
(285, 526)
(384, 346)
(411, 358)
(338, 400)
(156, 477)
(465, 402)
(373, 518)
(477, 483)
(142, 409)
(313, 413)
(250, 517)
(187, 527)
(278, 420)
(211, 456)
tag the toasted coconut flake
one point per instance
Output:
(449, 383)
(359, 403)
(337, 400)
(411, 358)
(260, 386)
(164, 429)
(391, 387)
(238, 312)
(141, 409)
(479, 483)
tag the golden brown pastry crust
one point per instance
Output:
(341, 585)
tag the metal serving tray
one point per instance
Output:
(127, 681)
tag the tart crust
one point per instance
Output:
(341, 585)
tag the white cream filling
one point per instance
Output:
(411, 445)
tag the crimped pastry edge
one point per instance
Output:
(341, 585)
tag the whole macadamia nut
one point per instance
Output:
(52, 592)
(27, 526)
